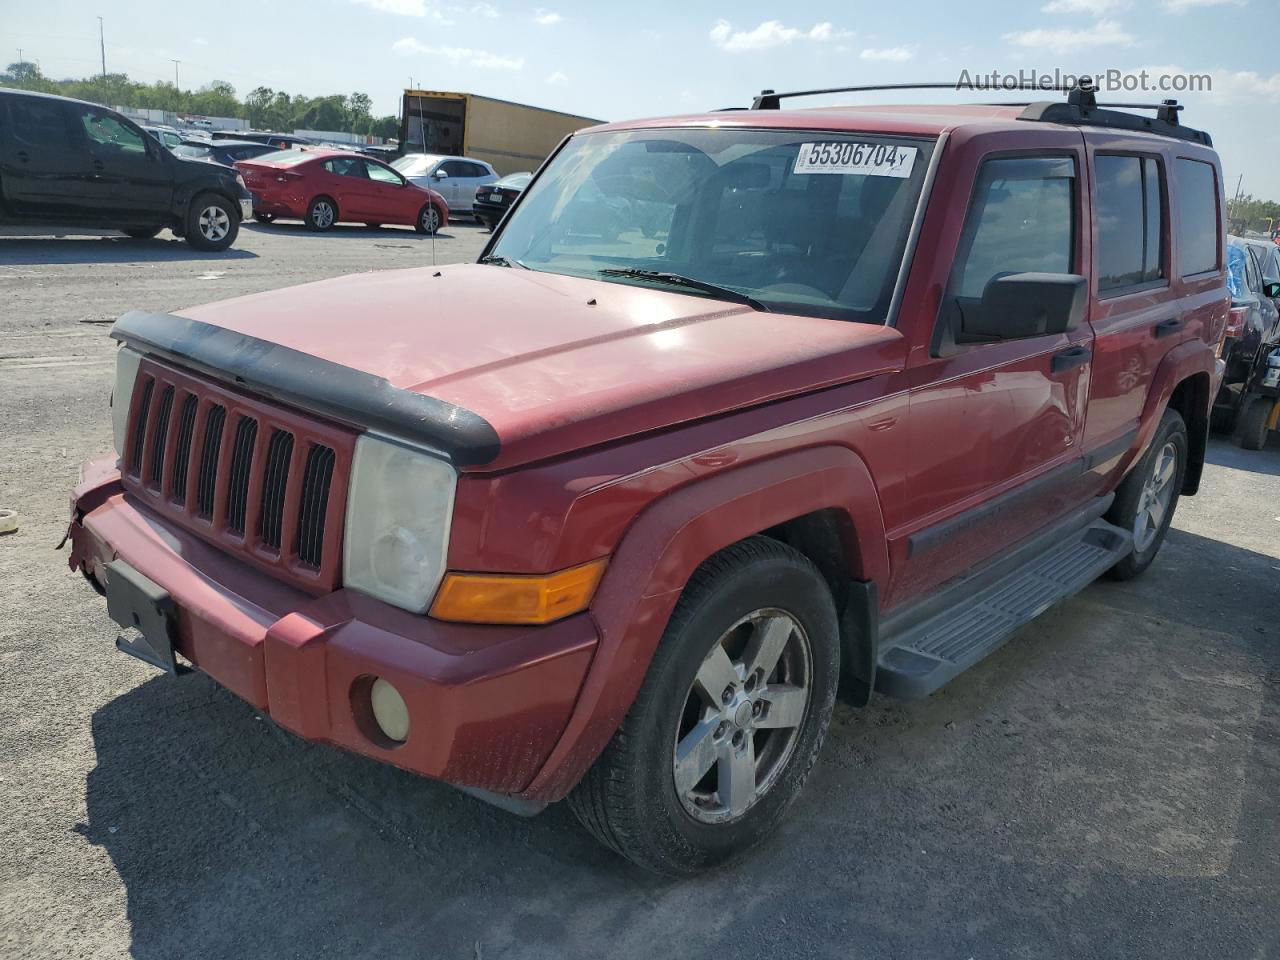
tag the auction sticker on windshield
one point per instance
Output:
(865, 159)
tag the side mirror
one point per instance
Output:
(1019, 305)
(440, 175)
(1271, 290)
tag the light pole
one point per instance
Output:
(102, 46)
(175, 75)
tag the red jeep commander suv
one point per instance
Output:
(733, 406)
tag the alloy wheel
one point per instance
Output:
(214, 223)
(1157, 494)
(742, 716)
(322, 215)
(430, 219)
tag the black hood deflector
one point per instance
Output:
(346, 394)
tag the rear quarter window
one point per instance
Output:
(39, 123)
(1196, 199)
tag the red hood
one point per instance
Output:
(558, 363)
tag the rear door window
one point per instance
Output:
(1196, 196)
(39, 123)
(1130, 222)
(347, 167)
(1021, 219)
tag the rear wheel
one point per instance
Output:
(322, 214)
(729, 719)
(142, 233)
(428, 219)
(1255, 423)
(1147, 497)
(212, 222)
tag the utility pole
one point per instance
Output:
(175, 74)
(102, 45)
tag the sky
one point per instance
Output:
(616, 60)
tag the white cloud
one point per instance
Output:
(889, 54)
(1182, 6)
(409, 47)
(486, 10)
(405, 8)
(1224, 84)
(557, 79)
(771, 33)
(545, 18)
(1104, 33)
(1096, 7)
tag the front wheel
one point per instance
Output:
(212, 222)
(1147, 497)
(729, 719)
(428, 219)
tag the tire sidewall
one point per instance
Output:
(778, 582)
(198, 206)
(1124, 512)
(1254, 424)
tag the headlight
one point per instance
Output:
(398, 513)
(126, 373)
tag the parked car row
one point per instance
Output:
(1245, 404)
(67, 163)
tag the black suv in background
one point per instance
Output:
(67, 163)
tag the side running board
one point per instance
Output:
(920, 657)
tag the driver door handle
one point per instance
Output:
(1070, 358)
(1166, 327)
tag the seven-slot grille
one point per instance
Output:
(260, 481)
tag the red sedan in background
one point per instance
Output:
(323, 187)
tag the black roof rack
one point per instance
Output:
(1081, 107)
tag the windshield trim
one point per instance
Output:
(917, 219)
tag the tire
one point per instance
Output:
(1133, 496)
(212, 222)
(142, 233)
(428, 221)
(1255, 424)
(631, 799)
(322, 214)
(265, 217)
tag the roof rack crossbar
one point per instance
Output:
(1081, 107)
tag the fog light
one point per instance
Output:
(389, 710)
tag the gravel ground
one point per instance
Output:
(1105, 786)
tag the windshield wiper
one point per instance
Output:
(679, 280)
(504, 262)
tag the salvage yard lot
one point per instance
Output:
(1104, 786)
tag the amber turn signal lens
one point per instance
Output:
(496, 598)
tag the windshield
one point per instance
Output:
(415, 164)
(516, 181)
(800, 222)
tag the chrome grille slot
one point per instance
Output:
(214, 422)
(241, 463)
(140, 426)
(275, 484)
(160, 435)
(314, 504)
(182, 448)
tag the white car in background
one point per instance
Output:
(454, 178)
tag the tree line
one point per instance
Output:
(263, 107)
